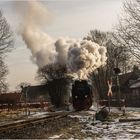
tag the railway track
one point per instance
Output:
(33, 122)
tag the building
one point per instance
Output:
(134, 97)
(129, 88)
(41, 93)
(35, 93)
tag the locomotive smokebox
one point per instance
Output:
(81, 95)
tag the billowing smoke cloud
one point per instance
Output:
(85, 57)
(80, 56)
(39, 42)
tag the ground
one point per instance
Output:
(88, 128)
(82, 125)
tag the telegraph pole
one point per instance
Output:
(117, 71)
(26, 99)
(119, 92)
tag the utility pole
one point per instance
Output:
(26, 99)
(119, 92)
(117, 71)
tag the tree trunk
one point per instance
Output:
(57, 91)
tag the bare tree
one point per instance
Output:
(6, 41)
(3, 73)
(128, 30)
(117, 56)
(56, 79)
(97, 37)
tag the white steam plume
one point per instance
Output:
(80, 56)
(85, 57)
(36, 40)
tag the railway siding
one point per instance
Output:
(29, 127)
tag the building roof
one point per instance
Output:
(35, 91)
(135, 84)
(124, 79)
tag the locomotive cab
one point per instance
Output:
(81, 95)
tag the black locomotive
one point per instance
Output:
(81, 95)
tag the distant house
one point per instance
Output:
(135, 93)
(126, 79)
(130, 88)
(35, 93)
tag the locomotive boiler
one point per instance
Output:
(81, 95)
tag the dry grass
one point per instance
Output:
(12, 115)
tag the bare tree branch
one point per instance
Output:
(6, 44)
(6, 40)
(128, 29)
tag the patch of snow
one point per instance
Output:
(112, 130)
(135, 85)
(81, 118)
(55, 136)
(93, 108)
(89, 138)
(38, 114)
(132, 109)
(71, 139)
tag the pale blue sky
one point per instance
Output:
(73, 18)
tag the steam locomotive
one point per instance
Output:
(81, 95)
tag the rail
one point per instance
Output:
(34, 121)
